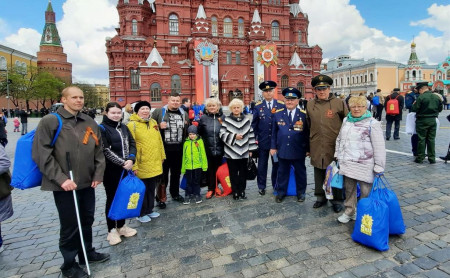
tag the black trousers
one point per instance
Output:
(214, 163)
(172, 164)
(379, 112)
(111, 183)
(69, 239)
(193, 179)
(389, 121)
(319, 178)
(149, 197)
(238, 174)
(414, 143)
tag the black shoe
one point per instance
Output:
(74, 272)
(95, 257)
(262, 192)
(337, 208)
(235, 196)
(178, 198)
(397, 138)
(301, 198)
(418, 161)
(162, 205)
(387, 139)
(432, 161)
(319, 204)
(278, 199)
(243, 197)
(445, 157)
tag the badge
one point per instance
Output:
(329, 114)
(298, 126)
(273, 110)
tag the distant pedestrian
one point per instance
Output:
(6, 208)
(393, 105)
(3, 135)
(16, 124)
(378, 101)
(24, 120)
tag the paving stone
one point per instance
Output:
(244, 254)
(421, 250)
(436, 273)
(407, 269)
(277, 254)
(255, 271)
(445, 267)
(384, 264)
(425, 263)
(236, 266)
(345, 274)
(293, 270)
(222, 260)
(281, 263)
(364, 270)
(260, 259)
(402, 257)
(442, 255)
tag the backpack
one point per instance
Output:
(26, 173)
(376, 100)
(392, 107)
(409, 100)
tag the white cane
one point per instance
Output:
(69, 165)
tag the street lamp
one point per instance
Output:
(7, 92)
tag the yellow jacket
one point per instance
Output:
(150, 149)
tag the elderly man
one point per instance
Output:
(427, 108)
(262, 127)
(325, 114)
(290, 143)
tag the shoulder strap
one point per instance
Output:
(101, 126)
(59, 128)
(163, 111)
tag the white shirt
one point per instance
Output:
(271, 104)
(292, 113)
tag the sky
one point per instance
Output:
(359, 28)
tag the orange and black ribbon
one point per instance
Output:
(89, 132)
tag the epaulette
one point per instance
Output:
(258, 103)
(304, 111)
(279, 110)
(279, 101)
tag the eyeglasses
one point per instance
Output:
(357, 107)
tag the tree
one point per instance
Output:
(47, 87)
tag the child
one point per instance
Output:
(16, 124)
(193, 162)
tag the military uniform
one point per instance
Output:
(290, 137)
(427, 108)
(262, 127)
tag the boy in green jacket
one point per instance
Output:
(194, 161)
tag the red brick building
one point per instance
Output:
(51, 56)
(203, 48)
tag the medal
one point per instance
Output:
(329, 114)
(298, 126)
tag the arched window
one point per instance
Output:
(371, 77)
(448, 74)
(407, 75)
(284, 82)
(134, 27)
(155, 91)
(414, 74)
(275, 31)
(342, 82)
(240, 28)
(365, 78)
(135, 79)
(238, 58)
(227, 27)
(353, 80)
(173, 24)
(348, 80)
(300, 40)
(175, 84)
(301, 88)
(228, 57)
(214, 26)
(3, 65)
(420, 75)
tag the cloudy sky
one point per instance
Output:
(361, 28)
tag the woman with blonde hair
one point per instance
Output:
(237, 134)
(361, 153)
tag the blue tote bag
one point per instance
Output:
(372, 223)
(129, 197)
(385, 194)
(292, 186)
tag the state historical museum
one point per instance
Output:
(209, 48)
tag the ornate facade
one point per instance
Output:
(204, 48)
(441, 77)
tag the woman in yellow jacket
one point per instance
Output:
(149, 157)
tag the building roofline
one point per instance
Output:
(16, 52)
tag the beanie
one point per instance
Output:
(192, 129)
(140, 104)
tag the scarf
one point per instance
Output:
(351, 119)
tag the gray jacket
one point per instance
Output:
(86, 156)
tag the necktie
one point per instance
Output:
(270, 106)
(290, 118)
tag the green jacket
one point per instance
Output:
(194, 155)
(427, 105)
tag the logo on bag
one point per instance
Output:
(366, 225)
(227, 179)
(133, 201)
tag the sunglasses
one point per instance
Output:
(321, 88)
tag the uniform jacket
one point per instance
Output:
(290, 138)
(262, 122)
(194, 155)
(324, 120)
(427, 105)
(360, 149)
(237, 149)
(401, 104)
(149, 147)
(88, 161)
(209, 129)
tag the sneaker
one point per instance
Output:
(179, 199)
(209, 194)
(113, 237)
(74, 271)
(187, 200)
(95, 257)
(154, 215)
(144, 219)
(198, 199)
(127, 231)
(162, 205)
(344, 218)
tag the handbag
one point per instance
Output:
(385, 194)
(161, 194)
(410, 125)
(337, 180)
(128, 199)
(331, 170)
(292, 185)
(252, 170)
(223, 177)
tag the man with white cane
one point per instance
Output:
(80, 136)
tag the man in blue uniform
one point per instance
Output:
(290, 141)
(262, 126)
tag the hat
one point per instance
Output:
(192, 129)
(268, 85)
(396, 90)
(140, 104)
(321, 81)
(421, 84)
(291, 93)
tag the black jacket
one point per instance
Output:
(401, 103)
(209, 129)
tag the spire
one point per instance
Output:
(201, 25)
(154, 57)
(413, 60)
(295, 9)
(256, 29)
(296, 61)
(50, 34)
(256, 18)
(201, 12)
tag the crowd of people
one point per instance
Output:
(161, 145)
